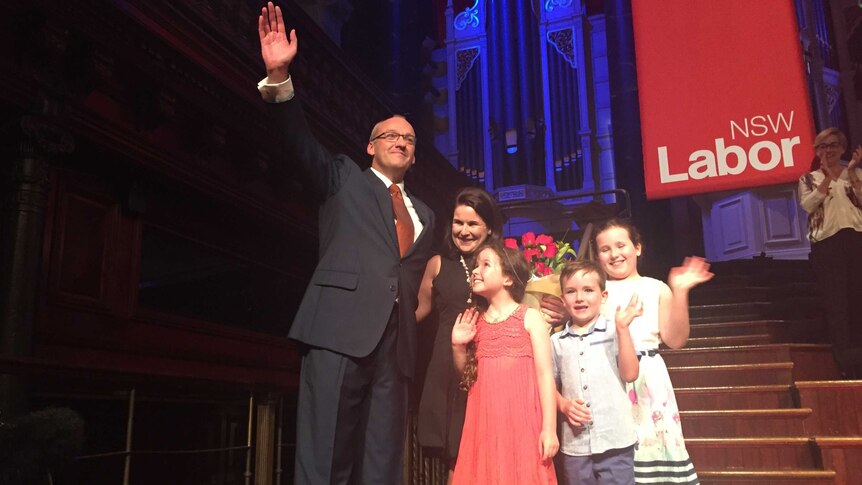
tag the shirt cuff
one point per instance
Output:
(276, 93)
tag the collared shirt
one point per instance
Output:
(283, 91)
(585, 367)
(417, 224)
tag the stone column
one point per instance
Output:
(24, 183)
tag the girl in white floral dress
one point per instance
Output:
(660, 456)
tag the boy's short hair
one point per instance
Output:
(573, 267)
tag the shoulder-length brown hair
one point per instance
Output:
(485, 206)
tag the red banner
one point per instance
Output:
(723, 95)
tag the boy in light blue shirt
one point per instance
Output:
(593, 359)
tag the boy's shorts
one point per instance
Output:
(611, 467)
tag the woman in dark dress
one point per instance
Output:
(446, 288)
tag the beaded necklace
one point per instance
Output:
(469, 285)
(502, 317)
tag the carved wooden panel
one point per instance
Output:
(91, 315)
(778, 218)
(780, 213)
(745, 224)
(85, 231)
(733, 221)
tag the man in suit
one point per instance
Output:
(357, 318)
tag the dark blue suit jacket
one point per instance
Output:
(360, 273)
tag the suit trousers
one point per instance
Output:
(352, 415)
(837, 264)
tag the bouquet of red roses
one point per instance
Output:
(546, 257)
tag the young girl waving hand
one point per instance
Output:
(660, 456)
(510, 424)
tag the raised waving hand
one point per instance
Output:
(625, 316)
(277, 48)
(694, 271)
(465, 327)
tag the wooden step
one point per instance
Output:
(801, 329)
(752, 339)
(796, 306)
(777, 396)
(752, 332)
(842, 455)
(837, 407)
(788, 300)
(736, 317)
(775, 328)
(760, 477)
(732, 375)
(811, 361)
(780, 453)
(709, 294)
(728, 281)
(764, 271)
(741, 354)
(730, 311)
(744, 423)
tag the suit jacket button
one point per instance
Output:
(391, 287)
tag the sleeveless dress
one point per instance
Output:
(500, 442)
(660, 455)
(441, 408)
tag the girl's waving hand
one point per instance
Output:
(465, 327)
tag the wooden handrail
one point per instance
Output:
(36, 366)
(584, 248)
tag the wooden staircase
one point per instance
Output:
(759, 393)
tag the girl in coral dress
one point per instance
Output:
(504, 352)
(660, 455)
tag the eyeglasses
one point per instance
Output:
(825, 146)
(392, 137)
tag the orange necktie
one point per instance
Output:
(403, 222)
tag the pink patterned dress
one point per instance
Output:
(500, 441)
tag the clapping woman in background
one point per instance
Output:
(831, 194)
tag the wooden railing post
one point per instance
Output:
(265, 441)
